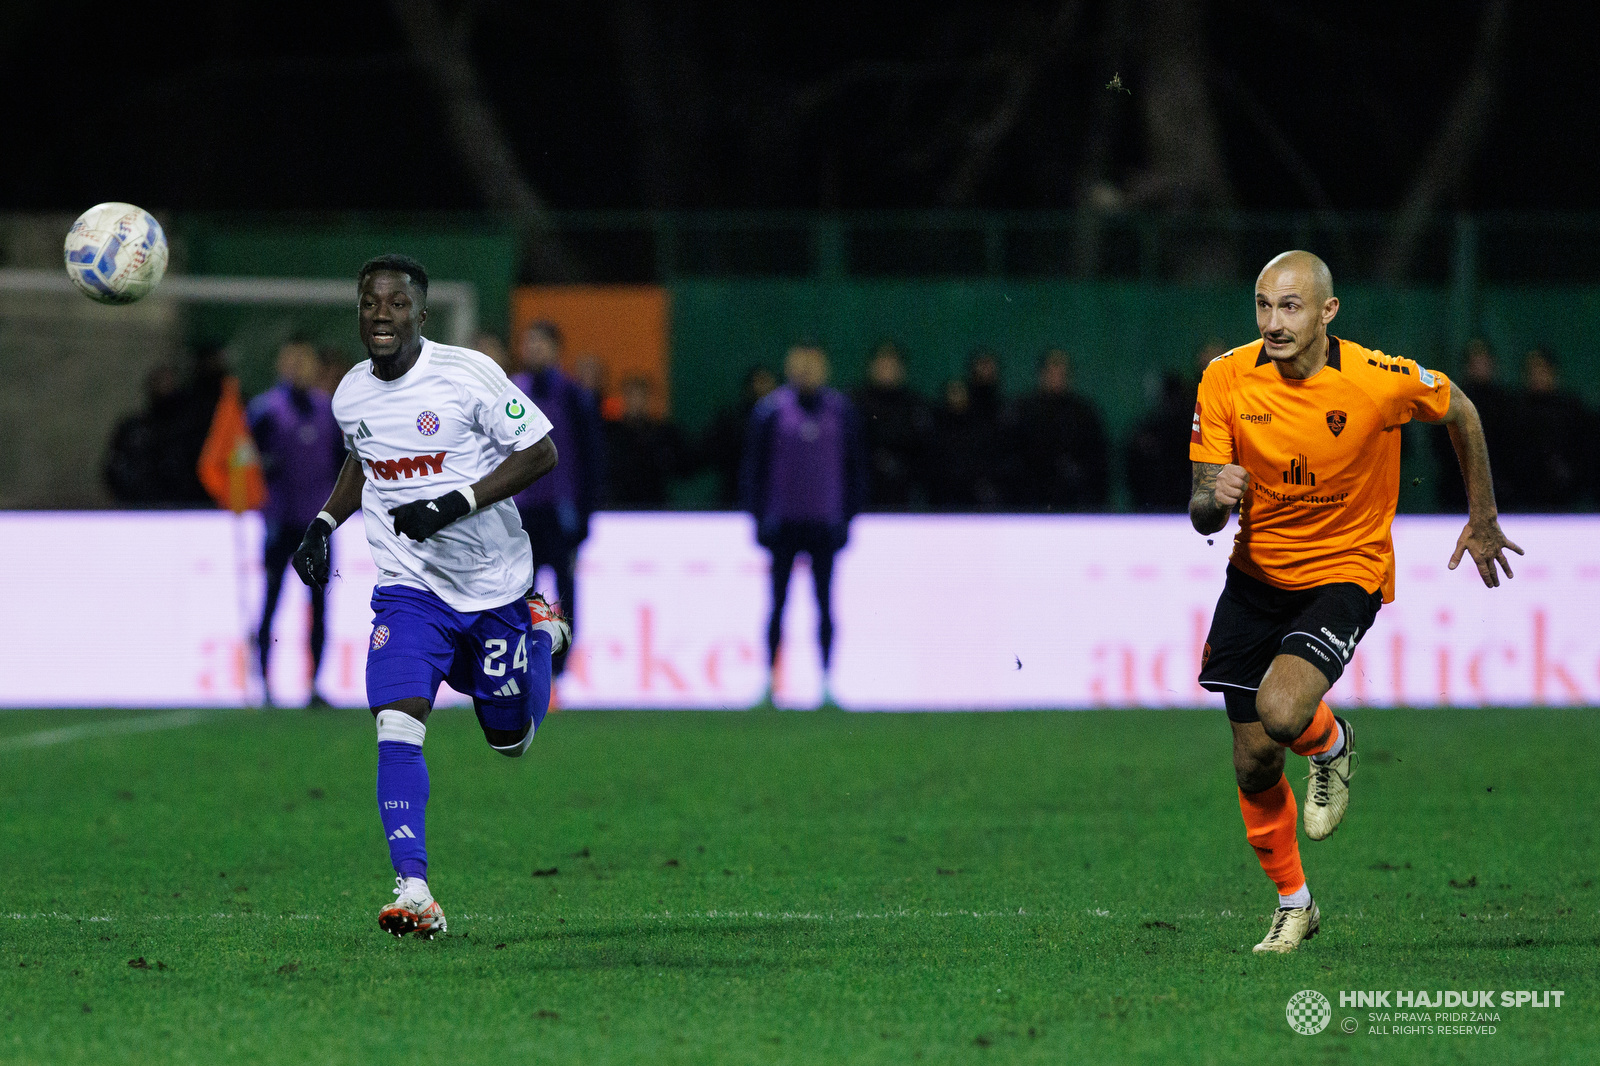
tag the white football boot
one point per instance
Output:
(1291, 925)
(548, 617)
(415, 911)
(1328, 789)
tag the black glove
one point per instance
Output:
(421, 519)
(311, 558)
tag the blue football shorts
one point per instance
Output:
(418, 641)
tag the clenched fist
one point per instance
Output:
(1229, 488)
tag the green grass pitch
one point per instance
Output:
(780, 888)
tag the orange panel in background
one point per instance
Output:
(623, 327)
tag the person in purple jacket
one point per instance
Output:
(804, 478)
(555, 509)
(301, 453)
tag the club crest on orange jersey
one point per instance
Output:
(1336, 421)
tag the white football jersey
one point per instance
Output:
(442, 425)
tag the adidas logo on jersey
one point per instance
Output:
(403, 833)
(510, 688)
(416, 466)
(361, 433)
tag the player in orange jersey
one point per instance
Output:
(1300, 431)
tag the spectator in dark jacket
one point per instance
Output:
(804, 479)
(135, 465)
(490, 344)
(1159, 474)
(963, 464)
(1497, 405)
(896, 426)
(974, 446)
(643, 452)
(555, 509)
(985, 394)
(722, 444)
(152, 457)
(333, 363)
(1548, 470)
(193, 410)
(1061, 443)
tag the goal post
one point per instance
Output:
(74, 368)
(458, 298)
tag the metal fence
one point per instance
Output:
(1463, 251)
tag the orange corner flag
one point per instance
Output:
(230, 466)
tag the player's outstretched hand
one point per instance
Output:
(1231, 482)
(1484, 541)
(311, 558)
(421, 519)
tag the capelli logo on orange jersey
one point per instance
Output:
(1259, 420)
(416, 466)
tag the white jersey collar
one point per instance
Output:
(424, 358)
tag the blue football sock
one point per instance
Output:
(539, 676)
(403, 791)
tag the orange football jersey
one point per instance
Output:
(1323, 456)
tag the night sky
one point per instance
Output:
(320, 106)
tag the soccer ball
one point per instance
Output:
(116, 253)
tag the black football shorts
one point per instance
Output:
(1256, 622)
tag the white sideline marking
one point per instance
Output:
(653, 916)
(44, 738)
(781, 916)
(46, 916)
(714, 915)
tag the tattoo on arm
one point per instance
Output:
(1205, 513)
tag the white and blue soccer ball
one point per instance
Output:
(116, 253)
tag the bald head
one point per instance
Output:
(1317, 279)
(1294, 304)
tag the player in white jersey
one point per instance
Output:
(439, 440)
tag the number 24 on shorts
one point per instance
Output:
(496, 650)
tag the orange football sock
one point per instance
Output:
(1320, 735)
(1269, 825)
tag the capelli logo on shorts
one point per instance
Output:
(1346, 648)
